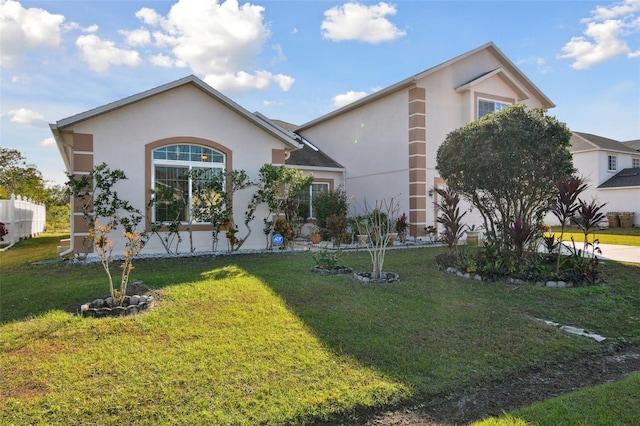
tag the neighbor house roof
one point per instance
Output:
(308, 155)
(634, 144)
(285, 137)
(624, 178)
(587, 142)
(509, 72)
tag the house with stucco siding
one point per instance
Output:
(387, 141)
(156, 136)
(383, 145)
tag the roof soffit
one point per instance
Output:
(505, 76)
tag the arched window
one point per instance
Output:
(177, 171)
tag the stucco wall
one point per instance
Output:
(372, 140)
(120, 136)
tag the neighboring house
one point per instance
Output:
(387, 141)
(612, 171)
(157, 135)
(634, 144)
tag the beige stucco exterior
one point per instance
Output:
(388, 141)
(124, 136)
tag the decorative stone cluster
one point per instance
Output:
(549, 284)
(109, 308)
(385, 277)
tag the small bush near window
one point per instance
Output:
(327, 203)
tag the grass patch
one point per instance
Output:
(259, 339)
(612, 403)
(620, 236)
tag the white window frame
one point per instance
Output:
(497, 106)
(635, 163)
(185, 164)
(309, 192)
(612, 163)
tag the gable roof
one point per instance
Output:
(308, 156)
(508, 72)
(624, 178)
(633, 144)
(192, 80)
(581, 142)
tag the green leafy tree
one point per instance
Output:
(96, 198)
(507, 165)
(19, 178)
(279, 188)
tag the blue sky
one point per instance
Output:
(297, 60)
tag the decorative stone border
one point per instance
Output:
(132, 305)
(385, 277)
(335, 271)
(516, 281)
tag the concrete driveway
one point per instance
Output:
(620, 253)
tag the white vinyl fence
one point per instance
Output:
(22, 218)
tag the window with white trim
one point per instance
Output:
(182, 167)
(486, 107)
(306, 198)
(635, 162)
(612, 163)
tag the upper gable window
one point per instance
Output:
(185, 170)
(612, 163)
(486, 106)
(635, 162)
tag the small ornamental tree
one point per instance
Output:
(506, 165)
(380, 219)
(95, 197)
(279, 188)
(449, 217)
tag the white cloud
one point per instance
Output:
(627, 7)
(27, 117)
(48, 142)
(280, 56)
(356, 21)
(259, 80)
(139, 37)
(21, 78)
(101, 54)
(284, 81)
(271, 103)
(346, 98)
(25, 29)
(217, 40)
(161, 60)
(90, 29)
(605, 36)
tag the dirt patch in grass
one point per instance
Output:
(493, 399)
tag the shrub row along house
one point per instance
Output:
(383, 145)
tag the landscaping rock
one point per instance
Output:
(385, 277)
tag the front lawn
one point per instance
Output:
(621, 236)
(259, 339)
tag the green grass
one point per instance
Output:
(604, 405)
(621, 236)
(259, 339)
